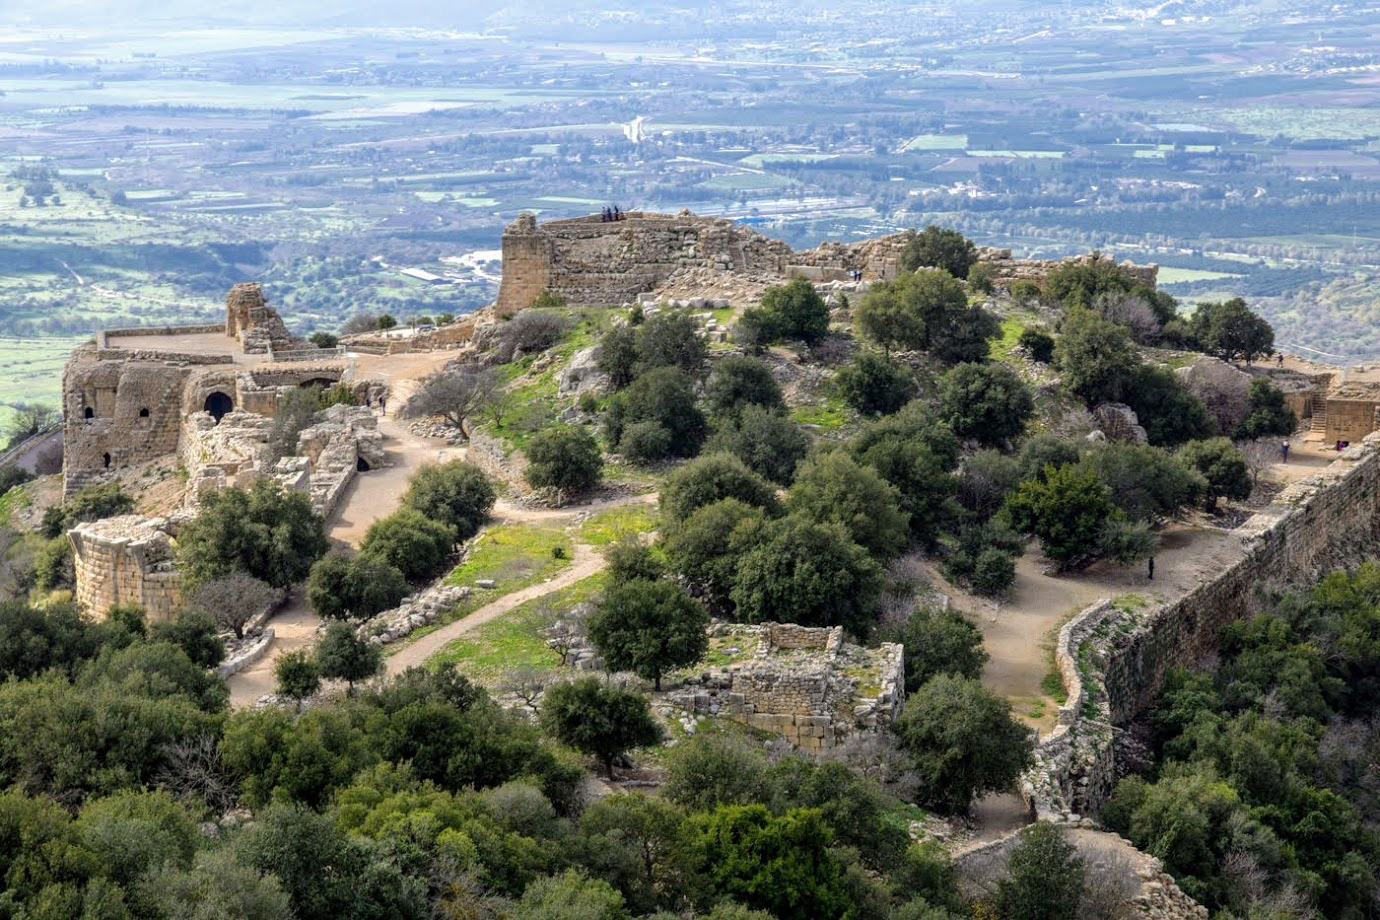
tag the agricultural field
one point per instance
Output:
(144, 172)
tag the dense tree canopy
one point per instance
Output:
(926, 310)
(769, 444)
(873, 384)
(410, 542)
(648, 627)
(1221, 465)
(1231, 331)
(663, 396)
(739, 381)
(457, 494)
(599, 720)
(985, 402)
(709, 479)
(795, 310)
(938, 247)
(963, 740)
(270, 533)
(1096, 357)
(566, 458)
(807, 573)
(835, 488)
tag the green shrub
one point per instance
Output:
(564, 458)
(1037, 343)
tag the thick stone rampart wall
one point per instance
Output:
(118, 414)
(594, 262)
(125, 560)
(1113, 660)
(591, 262)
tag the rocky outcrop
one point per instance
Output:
(1119, 422)
(582, 374)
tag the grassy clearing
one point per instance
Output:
(531, 402)
(610, 526)
(514, 641)
(830, 416)
(513, 556)
(1011, 330)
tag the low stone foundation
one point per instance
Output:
(802, 683)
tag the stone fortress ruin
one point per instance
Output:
(805, 684)
(205, 397)
(594, 262)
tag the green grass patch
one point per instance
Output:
(1011, 330)
(1052, 684)
(513, 556)
(531, 402)
(832, 415)
(514, 640)
(610, 526)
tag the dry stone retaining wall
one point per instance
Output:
(1114, 660)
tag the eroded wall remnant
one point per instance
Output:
(590, 261)
(803, 683)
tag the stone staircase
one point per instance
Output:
(1318, 423)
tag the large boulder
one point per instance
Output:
(1119, 422)
(582, 374)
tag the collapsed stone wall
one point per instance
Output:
(593, 262)
(1006, 270)
(126, 560)
(253, 323)
(802, 683)
(1113, 660)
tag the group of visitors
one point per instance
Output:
(612, 214)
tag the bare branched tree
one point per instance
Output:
(1222, 388)
(193, 772)
(527, 684)
(1260, 455)
(1132, 312)
(1108, 888)
(567, 633)
(528, 332)
(455, 394)
(231, 601)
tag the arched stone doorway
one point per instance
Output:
(219, 405)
